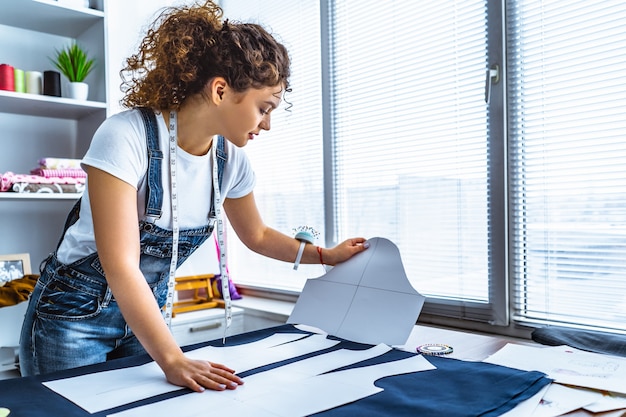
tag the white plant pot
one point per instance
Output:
(78, 91)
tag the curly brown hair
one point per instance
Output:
(187, 46)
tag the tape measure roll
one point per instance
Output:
(217, 203)
(171, 283)
(435, 349)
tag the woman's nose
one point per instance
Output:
(265, 123)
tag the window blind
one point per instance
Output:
(411, 140)
(288, 159)
(567, 107)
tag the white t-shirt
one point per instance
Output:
(119, 147)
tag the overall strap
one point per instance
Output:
(72, 218)
(154, 192)
(222, 157)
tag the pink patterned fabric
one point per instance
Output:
(59, 163)
(59, 173)
(6, 181)
(9, 179)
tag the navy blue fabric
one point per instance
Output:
(455, 388)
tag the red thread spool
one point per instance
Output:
(7, 77)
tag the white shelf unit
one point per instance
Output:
(47, 106)
(40, 196)
(50, 16)
(37, 126)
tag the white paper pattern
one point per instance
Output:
(104, 390)
(289, 389)
(367, 299)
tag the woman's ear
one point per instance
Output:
(216, 88)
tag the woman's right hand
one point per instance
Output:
(200, 375)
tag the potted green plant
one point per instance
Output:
(74, 62)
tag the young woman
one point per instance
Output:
(194, 81)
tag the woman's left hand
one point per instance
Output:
(344, 251)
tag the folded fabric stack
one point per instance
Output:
(59, 173)
(54, 175)
(59, 163)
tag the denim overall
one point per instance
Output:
(72, 318)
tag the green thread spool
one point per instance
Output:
(20, 87)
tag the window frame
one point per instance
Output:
(496, 311)
(498, 315)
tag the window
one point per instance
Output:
(510, 182)
(411, 143)
(567, 106)
(288, 160)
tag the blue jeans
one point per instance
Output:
(72, 318)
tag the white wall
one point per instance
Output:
(126, 23)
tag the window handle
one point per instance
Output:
(493, 77)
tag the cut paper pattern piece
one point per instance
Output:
(108, 389)
(333, 389)
(246, 357)
(265, 382)
(366, 299)
(286, 391)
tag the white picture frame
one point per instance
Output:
(14, 266)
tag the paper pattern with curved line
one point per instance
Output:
(367, 299)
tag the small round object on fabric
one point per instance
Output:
(435, 349)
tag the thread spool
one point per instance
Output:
(52, 83)
(34, 82)
(7, 77)
(20, 80)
